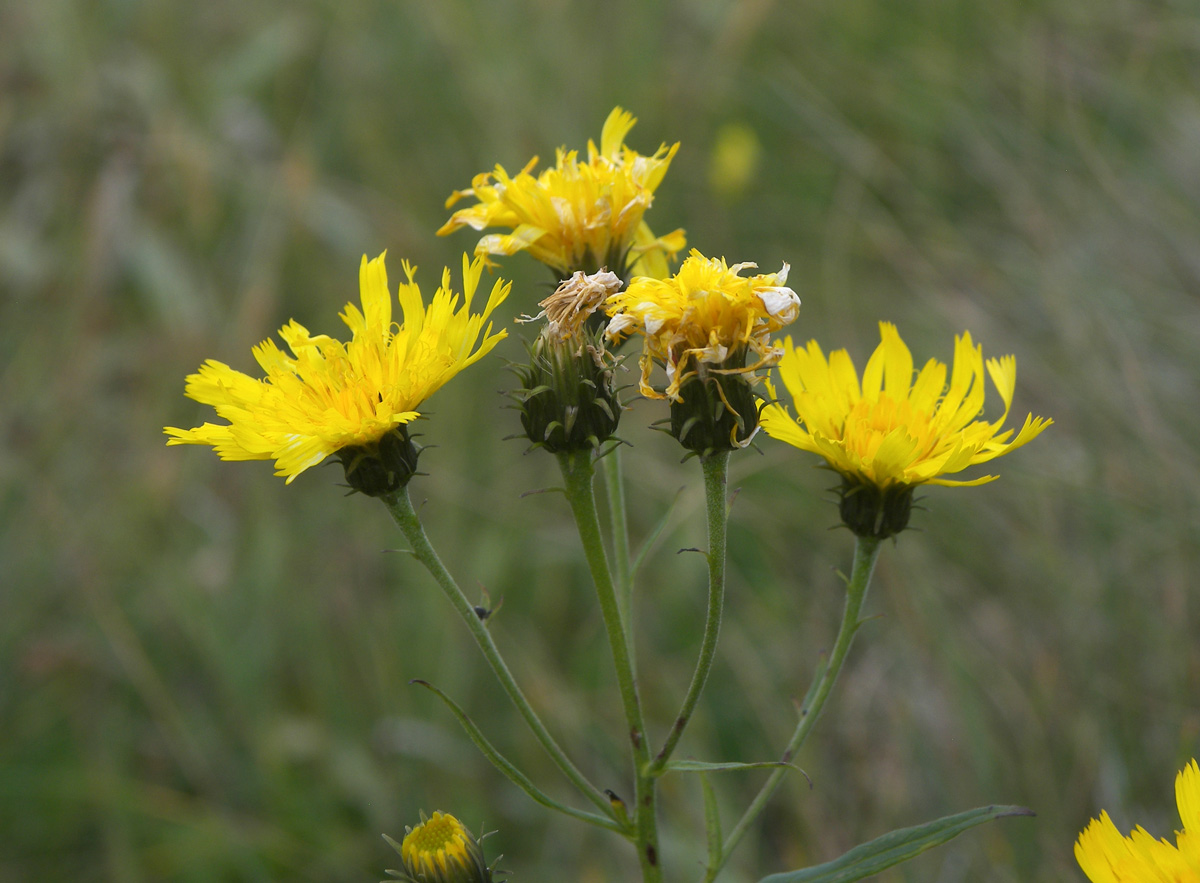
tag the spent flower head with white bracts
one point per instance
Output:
(575, 215)
(710, 328)
(894, 431)
(352, 399)
(1108, 857)
(567, 400)
(440, 850)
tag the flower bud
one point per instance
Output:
(441, 850)
(567, 400)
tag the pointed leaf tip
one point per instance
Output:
(895, 847)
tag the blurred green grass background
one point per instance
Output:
(203, 673)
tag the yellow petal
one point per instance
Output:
(616, 127)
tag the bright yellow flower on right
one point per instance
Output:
(894, 431)
(1107, 857)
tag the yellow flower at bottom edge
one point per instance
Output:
(894, 431)
(441, 850)
(1107, 857)
(575, 215)
(707, 315)
(330, 397)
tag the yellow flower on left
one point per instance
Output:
(1107, 857)
(329, 397)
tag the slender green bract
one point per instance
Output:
(577, 478)
(510, 771)
(895, 847)
(716, 471)
(401, 509)
(866, 551)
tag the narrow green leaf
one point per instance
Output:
(513, 774)
(700, 766)
(712, 824)
(654, 535)
(895, 847)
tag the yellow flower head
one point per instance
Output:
(894, 430)
(441, 850)
(707, 317)
(575, 215)
(328, 396)
(1107, 857)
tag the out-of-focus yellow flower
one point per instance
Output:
(895, 429)
(575, 215)
(441, 850)
(734, 160)
(706, 318)
(331, 397)
(1107, 857)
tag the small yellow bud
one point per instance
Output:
(441, 850)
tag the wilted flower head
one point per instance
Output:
(707, 317)
(1107, 857)
(576, 300)
(894, 432)
(567, 400)
(352, 399)
(575, 215)
(441, 850)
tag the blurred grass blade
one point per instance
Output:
(653, 536)
(513, 774)
(712, 824)
(700, 766)
(895, 847)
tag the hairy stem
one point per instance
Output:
(577, 477)
(866, 551)
(614, 490)
(716, 470)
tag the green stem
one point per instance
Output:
(614, 489)
(716, 471)
(401, 509)
(866, 550)
(577, 477)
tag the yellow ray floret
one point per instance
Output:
(328, 395)
(896, 429)
(1107, 857)
(706, 315)
(575, 215)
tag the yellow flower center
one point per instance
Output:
(869, 423)
(434, 844)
